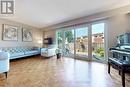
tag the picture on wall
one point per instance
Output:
(10, 32)
(27, 35)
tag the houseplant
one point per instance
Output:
(58, 53)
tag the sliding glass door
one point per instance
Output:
(69, 43)
(59, 39)
(73, 41)
(98, 41)
(83, 42)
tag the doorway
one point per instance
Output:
(80, 42)
(98, 41)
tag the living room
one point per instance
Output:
(45, 44)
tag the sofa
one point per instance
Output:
(4, 63)
(19, 52)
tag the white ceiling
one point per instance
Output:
(42, 13)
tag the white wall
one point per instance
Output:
(37, 35)
(117, 25)
(52, 34)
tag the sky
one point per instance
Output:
(96, 28)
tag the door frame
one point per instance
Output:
(105, 40)
(71, 28)
(89, 25)
(81, 57)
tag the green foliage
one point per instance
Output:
(59, 34)
(100, 51)
(69, 36)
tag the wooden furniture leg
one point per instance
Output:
(109, 68)
(119, 72)
(6, 73)
(123, 77)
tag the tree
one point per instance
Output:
(69, 36)
(59, 34)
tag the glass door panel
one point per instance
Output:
(69, 43)
(59, 40)
(98, 46)
(81, 42)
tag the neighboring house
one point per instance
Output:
(97, 41)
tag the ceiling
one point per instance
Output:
(43, 13)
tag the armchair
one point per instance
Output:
(4, 62)
(48, 52)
